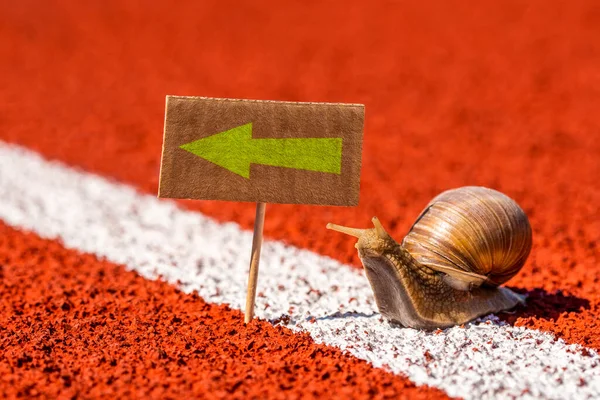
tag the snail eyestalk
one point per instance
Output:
(381, 232)
(357, 233)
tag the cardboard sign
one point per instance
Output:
(261, 151)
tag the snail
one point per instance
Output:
(449, 267)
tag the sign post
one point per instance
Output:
(264, 152)
(257, 239)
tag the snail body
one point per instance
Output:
(447, 270)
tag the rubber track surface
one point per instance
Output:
(74, 326)
(503, 95)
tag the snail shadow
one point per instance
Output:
(541, 304)
(347, 314)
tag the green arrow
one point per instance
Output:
(235, 150)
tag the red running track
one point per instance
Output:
(503, 95)
(73, 326)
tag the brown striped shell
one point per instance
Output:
(475, 232)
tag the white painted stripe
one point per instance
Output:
(331, 301)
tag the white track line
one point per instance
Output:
(313, 293)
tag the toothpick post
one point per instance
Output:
(259, 222)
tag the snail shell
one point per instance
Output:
(475, 230)
(448, 269)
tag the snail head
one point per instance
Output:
(371, 242)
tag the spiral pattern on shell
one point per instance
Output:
(472, 229)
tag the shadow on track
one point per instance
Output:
(540, 304)
(544, 305)
(347, 314)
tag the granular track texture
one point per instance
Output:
(501, 94)
(72, 326)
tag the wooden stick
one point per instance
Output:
(259, 222)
